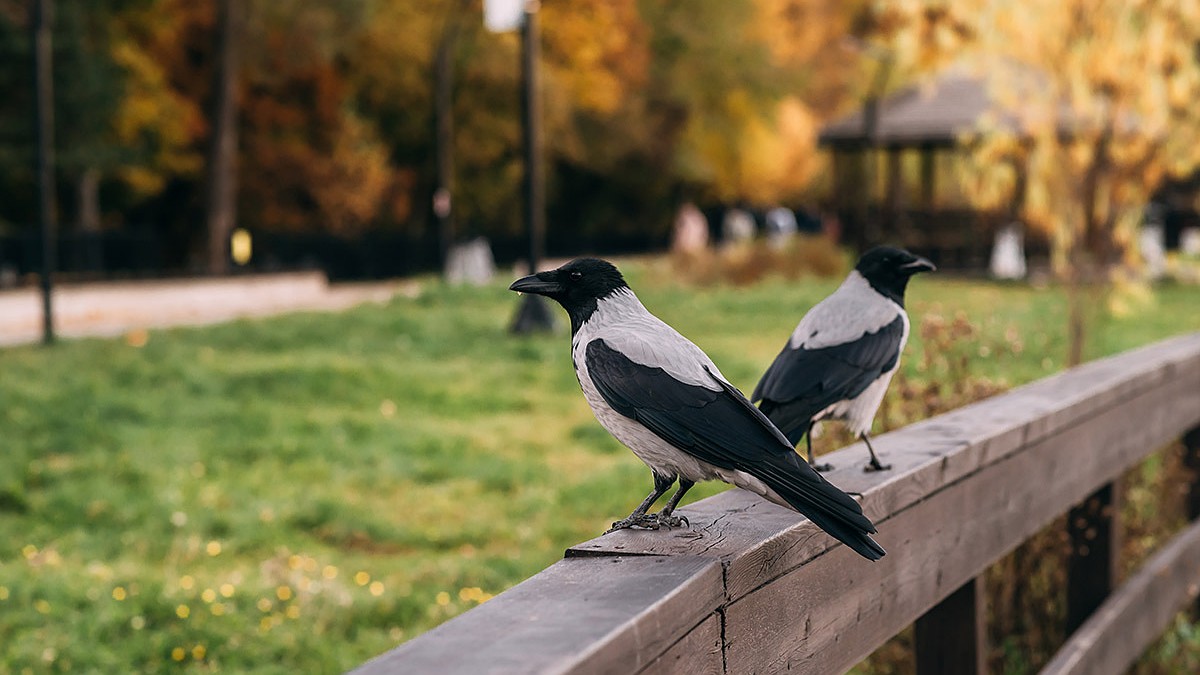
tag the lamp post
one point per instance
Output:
(533, 315)
(43, 113)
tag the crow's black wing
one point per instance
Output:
(724, 429)
(802, 382)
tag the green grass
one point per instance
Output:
(304, 492)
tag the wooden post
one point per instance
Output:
(1094, 531)
(928, 178)
(895, 191)
(951, 638)
(1191, 459)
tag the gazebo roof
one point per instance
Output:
(934, 113)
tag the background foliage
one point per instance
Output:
(644, 102)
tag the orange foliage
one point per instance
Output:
(598, 49)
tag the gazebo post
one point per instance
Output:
(928, 177)
(895, 191)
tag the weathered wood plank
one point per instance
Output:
(580, 616)
(697, 653)
(967, 488)
(951, 638)
(1095, 535)
(1136, 614)
(836, 609)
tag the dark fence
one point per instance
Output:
(131, 252)
(146, 252)
(375, 254)
(954, 239)
(750, 587)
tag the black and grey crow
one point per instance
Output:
(661, 396)
(844, 352)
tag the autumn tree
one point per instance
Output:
(1101, 94)
(642, 101)
(92, 88)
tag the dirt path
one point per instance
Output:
(114, 308)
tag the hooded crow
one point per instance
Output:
(843, 353)
(661, 396)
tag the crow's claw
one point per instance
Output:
(822, 467)
(673, 521)
(649, 521)
(876, 466)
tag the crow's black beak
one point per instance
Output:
(534, 283)
(919, 264)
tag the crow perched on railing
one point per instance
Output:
(661, 396)
(842, 355)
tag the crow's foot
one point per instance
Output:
(642, 520)
(649, 521)
(822, 467)
(876, 466)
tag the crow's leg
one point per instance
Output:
(639, 518)
(664, 517)
(812, 461)
(874, 464)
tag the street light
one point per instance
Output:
(533, 315)
(43, 113)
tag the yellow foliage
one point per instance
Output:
(597, 49)
(1103, 91)
(797, 32)
(152, 112)
(764, 158)
(782, 156)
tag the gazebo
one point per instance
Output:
(915, 134)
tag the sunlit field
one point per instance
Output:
(299, 494)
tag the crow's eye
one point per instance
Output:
(575, 276)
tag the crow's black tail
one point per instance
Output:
(831, 509)
(793, 420)
(792, 482)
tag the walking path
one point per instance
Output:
(114, 308)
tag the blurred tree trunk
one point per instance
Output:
(89, 200)
(443, 104)
(221, 198)
(88, 220)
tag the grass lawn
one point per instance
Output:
(299, 494)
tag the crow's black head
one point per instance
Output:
(577, 286)
(888, 270)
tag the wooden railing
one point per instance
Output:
(754, 588)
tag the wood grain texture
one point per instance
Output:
(1136, 614)
(579, 616)
(697, 653)
(967, 487)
